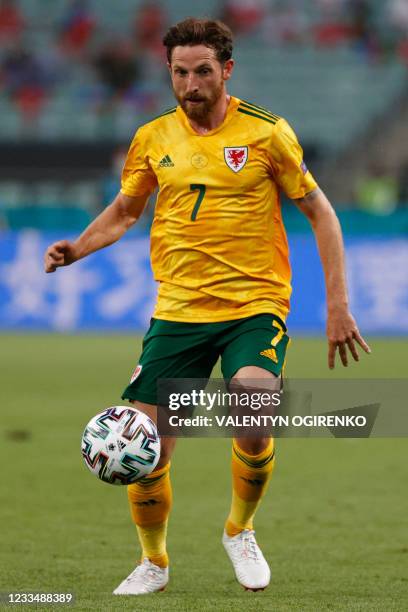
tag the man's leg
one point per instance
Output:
(170, 350)
(150, 502)
(253, 460)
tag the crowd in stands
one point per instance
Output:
(119, 65)
(113, 63)
(378, 29)
(75, 57)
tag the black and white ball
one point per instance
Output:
(121, 445)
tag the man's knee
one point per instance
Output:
(255, 380)
(253, 445)
(254, 376)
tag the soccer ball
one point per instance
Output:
(121, 445)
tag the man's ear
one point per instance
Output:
(227, 69)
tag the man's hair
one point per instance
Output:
(213, 34)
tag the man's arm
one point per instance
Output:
(342, 329)
(106, 229)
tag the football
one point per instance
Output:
(121, 445)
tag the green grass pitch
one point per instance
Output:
(333, 525)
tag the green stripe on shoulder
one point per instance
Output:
(259, 109)
(257, 115)
(169, 111)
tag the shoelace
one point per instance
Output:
(145, 569)
(154, 574)
(250, 545)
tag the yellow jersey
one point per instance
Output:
(218, 245)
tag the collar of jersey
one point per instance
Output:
(231, 110)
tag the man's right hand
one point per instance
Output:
(107, 228)
(59, 254)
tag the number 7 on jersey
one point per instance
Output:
(201, 193)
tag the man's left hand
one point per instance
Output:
(343, 334)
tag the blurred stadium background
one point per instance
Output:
(76, 79)
(78, 76)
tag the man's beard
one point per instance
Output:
(199, 112)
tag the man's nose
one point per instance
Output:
(192, 82)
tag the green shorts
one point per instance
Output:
(191, 350)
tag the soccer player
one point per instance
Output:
(219, 252)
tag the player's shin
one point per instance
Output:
(150, 502)
(250, 478)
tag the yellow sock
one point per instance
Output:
(150, 502)
(250, 479)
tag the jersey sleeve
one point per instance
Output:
(288, 168)
(138, 177)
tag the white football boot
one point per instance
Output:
(251, 569)
(146, 578)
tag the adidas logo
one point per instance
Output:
(166, 162)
